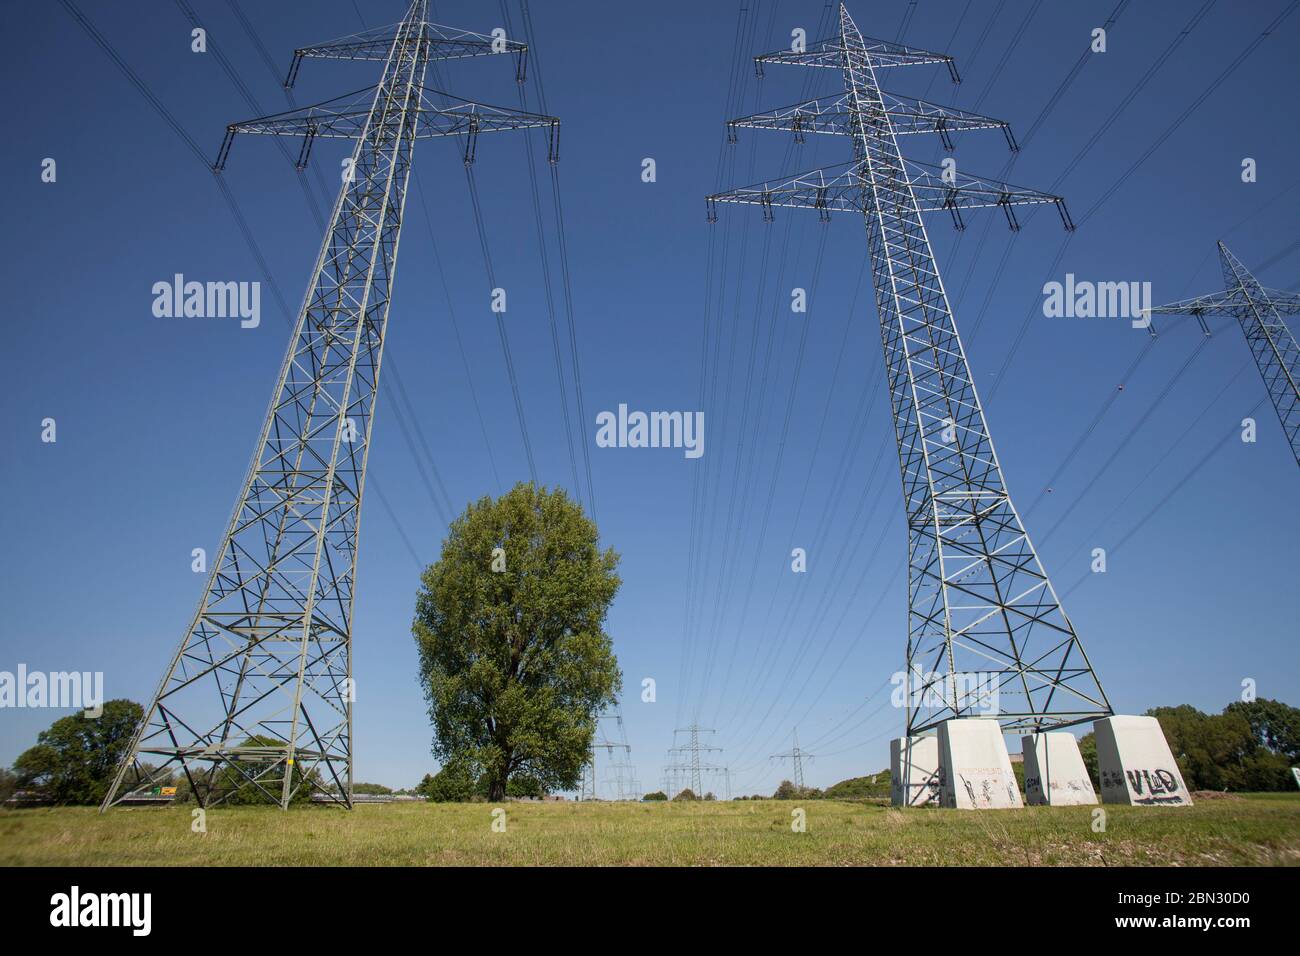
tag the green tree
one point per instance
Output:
(1209, 748)
(514, 659)
(788, 791)
(522, 785)
(371, 789)
(452, 784)
(74, 761)
(686, 795)
(654, 796)
(1273, 724)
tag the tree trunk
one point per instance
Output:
(497, 785)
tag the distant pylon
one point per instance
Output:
(685, 769)
(796, 757)
(983, 619)
(622, 774)
(1259, 311)
(258, 697)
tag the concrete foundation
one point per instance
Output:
(974, 769)
(1054, 770)
(914, 770)
(1135, 765)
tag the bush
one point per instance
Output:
(788, 791)
(451, 784)
(656, 795)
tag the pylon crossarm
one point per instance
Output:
(441, 43)
(1231, 302)
(937, 189)
(841, 188)
(834, 115)
(1217, 303)
(830, 188)
(829, 53)
(345, 117)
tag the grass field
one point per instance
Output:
(1255, 830)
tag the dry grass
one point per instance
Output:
(1258, 830)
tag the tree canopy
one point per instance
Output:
(514, 659)
(75, 759)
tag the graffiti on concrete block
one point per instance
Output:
(1146, 786)
(980, 792)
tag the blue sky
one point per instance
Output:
(157, 417)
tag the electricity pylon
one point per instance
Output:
(622, 774)
(1259, 311)
(981, 607)
(619, 752)
(259, 694)
(685, 764)
(796, 758)
(626, 784)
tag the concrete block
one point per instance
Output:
(914, 770)
(1135, 764)
(974, 768)
(1054, 770)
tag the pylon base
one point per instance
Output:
(1135, 764)
(1055, 774)
(974, 768)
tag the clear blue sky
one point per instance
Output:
(157, 417)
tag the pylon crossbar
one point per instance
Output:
(439, 43)
(832, 115)
(845, 187)
(829, 54)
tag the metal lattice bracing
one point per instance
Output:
(1259, 311)
(258, 697)
(985, 627)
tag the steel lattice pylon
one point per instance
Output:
(1259, 311)
(983, 615)
(258, 696)
(685, 769)
(796, 756)
(621, 774)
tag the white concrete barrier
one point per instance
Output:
(1135, 764)
(974, 769)
(1054, 770)
(914, 770)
